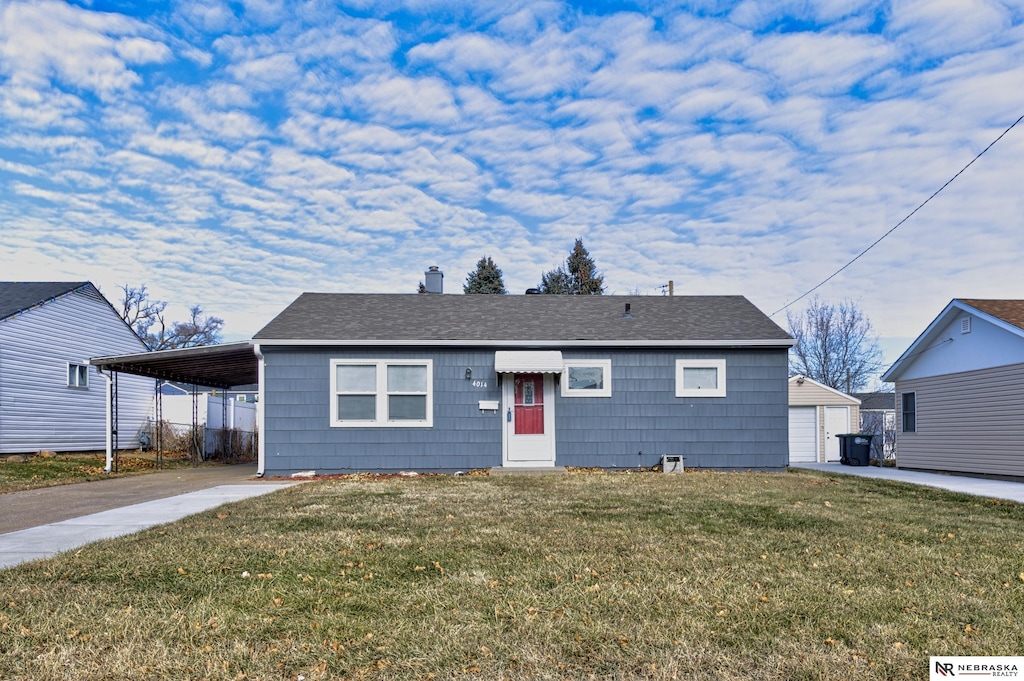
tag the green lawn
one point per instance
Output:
(63, 469)
(649, 576)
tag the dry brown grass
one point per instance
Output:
(48, 469)
(621, 576)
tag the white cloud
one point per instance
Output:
(81, 48)
(406, 100)
(142, 51)
(209, 15)
(229, 95)
(199, 108)
(267, 73)
(806, 63)
(41, 107)
(939, 28)
(193, 150)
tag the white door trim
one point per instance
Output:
(834, 428)
(527, 451)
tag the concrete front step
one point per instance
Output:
(511, 470)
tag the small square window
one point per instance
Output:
(587, 378)
(700, 378)
(78, 376)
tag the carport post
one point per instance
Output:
(110, 418)
(261, 412)
(111, 412)
(197, 442)
(158, 414)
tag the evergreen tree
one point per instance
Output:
(585, 279)
(557, 282)
(486, 278)
(578, 277)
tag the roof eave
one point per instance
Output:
(800, 378)
(892, 374)
(750, 343)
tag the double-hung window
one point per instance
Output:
(587, 378)
(393, 393)
(909, 412)
(700, 378)
(78, 375)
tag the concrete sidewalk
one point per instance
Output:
(981, 487)
(58, 519)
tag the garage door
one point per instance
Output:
(803, 435)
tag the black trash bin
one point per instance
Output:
(855, 448)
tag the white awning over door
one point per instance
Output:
(528, 361)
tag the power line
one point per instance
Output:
(897, 225)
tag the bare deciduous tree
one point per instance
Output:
(146, 317)
(138, 310)
(835, 345)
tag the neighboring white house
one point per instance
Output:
(817, 413)
(213, 410)
(50, 397)
(960, 391)
(878, 417)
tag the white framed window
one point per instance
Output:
(587, 378)
(382, 393)
(78, 375)
(700, 378)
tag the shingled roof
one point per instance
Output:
(491, 319)
(1010, 311)
(17, 296)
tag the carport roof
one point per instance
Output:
(217, 366)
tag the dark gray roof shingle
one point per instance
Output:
(876, 401)
(16, 296)
(489, 318)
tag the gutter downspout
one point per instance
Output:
(109, 438)
(261, 413)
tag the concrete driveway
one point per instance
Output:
(981, 487)
(41, 523)
(35, 507)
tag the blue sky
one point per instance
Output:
(235, 154)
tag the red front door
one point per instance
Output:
(529, 404)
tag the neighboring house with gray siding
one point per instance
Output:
(50, 397)
(960, 391)
(434, 382)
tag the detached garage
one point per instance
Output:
(817, 413)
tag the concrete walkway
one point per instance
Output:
(45, 522)
(981, 487)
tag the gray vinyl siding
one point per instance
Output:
(641, 421)
(971, 422)
(38, 411)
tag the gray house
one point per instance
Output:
(50, 397)
(433, 382)
(960, 391)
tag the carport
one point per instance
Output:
(223, 366)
